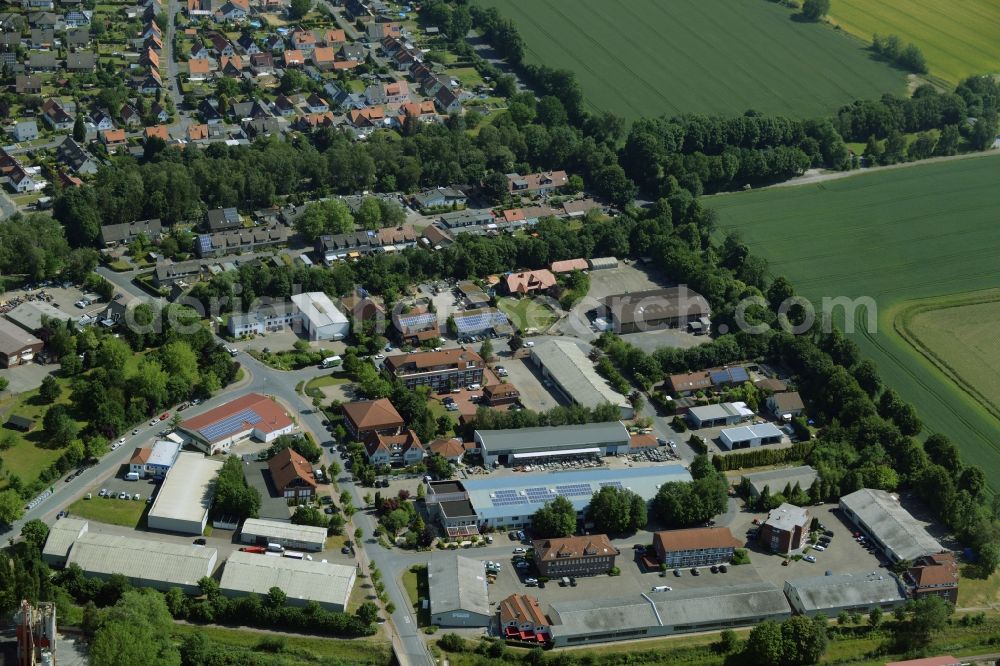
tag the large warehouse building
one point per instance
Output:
(146, 563)
(457, 589)
(527, 445)
(327, 584)
(319, 317)
(639, 311)
(298, 537)
(751, 436)
(62, 535)
(252, 415)
(601, 620)
(185, 495)
(17, 346)
(574, 375)
(853, 593)
(880, 517)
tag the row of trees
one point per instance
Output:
(909, 57)
(233, 495)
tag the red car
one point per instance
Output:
(254, 549)
(164, 416)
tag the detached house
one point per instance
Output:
(316, 104)
(262, 63)
(372, 417)
(536, 183)
(130, 117)
(114, 138)
(199, 69)
(291, 474)
(447, 101)
(101, 121)
(322, 58)
(294, 58)
(397, 450)
(55, 115)
(75, 157)
(28, 84)
(284, 106)
(231, 11)
(247, 44)
(221, 46)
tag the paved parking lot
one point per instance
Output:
(626, 278)
(650, 341)
(117, 484)
(27, 377)
(523, 374)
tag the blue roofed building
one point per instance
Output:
(416, 326)
(251, 415)
(481, 322)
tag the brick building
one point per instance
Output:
(785, 529)
(575, 556)
(699, 546)
(441, 370)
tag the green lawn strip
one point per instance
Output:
(415, 584)
(127, 513)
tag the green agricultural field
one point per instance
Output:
(957, 38)
(650, 58)
(921, 232)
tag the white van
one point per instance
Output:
(331, 361)
(275, 547)
(132, 476)
(662, 588)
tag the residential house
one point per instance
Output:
(522, 619)
(785, 529)
(157, 131)
(316, 104)
(254, 128)
(37, 4)
(28, 84)
(101, 121)
(197, 133)
(43, 38)
(322, 58)
(350, 245)
(169, 274)
(231, 66)
(432, 83)
(529, 282)
(42, 61)
(221, 46)
(291, 474)
(379, 31)
(81, 61)
(130, 117)
(247, 44)
(440, 197)
(113, 138)
(284, 106)
(451, 449)
(695, 547)
(232, 11)
(14, 174)
(42, 20)
(404, 59)
(294, 58)
(353, 52)
(423, 111)
(76, 19)
(75, 157)
(199, 52)
(222, 219)
(436, 238)
(123, 233)
(303, 40)
(25, 130)
(400, 450)
(331, 37)
(262, 63)
(536, 183)
(209, 112)
(78, 38)
(362, 308)
(370, 417)
(786, 405)
(447, 101)
(936, 575)
(55, 115)
(150, 83)
(274, 44)
(497, 395)
(589, 555)
(441, 370)
(199, 69)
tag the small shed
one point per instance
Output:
(21, 423)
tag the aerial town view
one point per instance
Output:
(499, 332)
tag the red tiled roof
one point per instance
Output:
(288, 465)
(695, 539)
(373, 414)
(272, 415)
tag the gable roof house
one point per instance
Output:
(294, 58)
(262, 63)
(222, 219)
(77, 37)
(101, 120)
(43, 61)
(447, 101)
(220, 45)
(369, 417)
(322, 58)
(75, 157)
(316, 104)
(399, 450)
(291, 474)
(232, 11)
(284, 106)
(197, 133)
(26, 84)
(247, 44)
(157, 131)
(55, 115)
(199, 69)
(81, 61)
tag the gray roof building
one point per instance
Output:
(220, 219)
(29, 315)
(126, 232)
(305, 537)
(775, 480)
(185, 495)
(329, 585)
(62, 535)
(575, 376)
(662, 613)
(73, 155)
(168, 274)
(891, 527)
(590, 438)
(854, 593)
(157, 564)
(457, 590)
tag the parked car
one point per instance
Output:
(122, 495)
(104, 491)
(200, 541)
(137, 497)
(809, 558)
(819, 547)
(723, 568)
(695, 572)
(531, 582)
(677, 572)
(519, 550)
(715, 568)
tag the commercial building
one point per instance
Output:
(257, 532)
(457, 589)
(397, 450)
(29, 315)
(715, 379)
(472, 294)
(185, 496)
(291, 474)
(320, 318)
(252, 415)
(441, 370)
(589, 555)
(17, 346)
(511, 501)
(879, 516)
(695, 547)
(752, 436)
(370, 417)
(62, 535)
(482, 321)
(786, 405)
(521, 618)
(416, 326)
(934, 575)
(270, 317)
(525, 445)
(574, 375)
(639, 311)
(155, 462)
(776, 480)
(850, 592)
(157, 564)
(302, 581)
(723, 414)
(501, 394)
(785, 529)
(601, 620)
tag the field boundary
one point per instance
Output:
(903, 320)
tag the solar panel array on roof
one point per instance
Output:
(539, 494)
(415, 320)
(507, 498)
(480, 321)
(204, 243)
(230, 424)
(612, 484)
(730, 375)
(575, 489)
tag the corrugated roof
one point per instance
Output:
(832, 593)
(62, 535)
(457, 583)
(575, 373)
(555, 437)
(186, 491)
(284, 531)
(891, 523)
(302, 580)
(143, 559)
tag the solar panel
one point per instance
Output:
(422, 319)
(612, 484)
(539, 495)
(205, 243)
(230, 424)
(575, 490)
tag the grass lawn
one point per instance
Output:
(650, 58)
(526, 313)
(415, 584)
(896, 236)
(334, 379)
(469, 77)
(298, 649)
(958, 39)
(127, 513)
(976, 592)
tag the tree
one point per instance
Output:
(233, 496)
(35, 532)
(137, 630)
(925, 617)
(11, 507)
(486, 350)
(989, 558)
(729, 642)
(814, 10)
(79, 129)
(50, 390)
(369, 213)
(555, 519)
(616, 511)
(367, 612)
(804, 640)
(299, 8)
(875, 617)
(309, 515)
(276, 598)
(324, 217)
(765, 645)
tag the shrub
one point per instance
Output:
(615, 571)
(741, 556)
(452, 643)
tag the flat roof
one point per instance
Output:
(776, 479)
(819, 593)
(143, 559)
(721, 411)
(576, 374)
(457, 508)
(712, 605)
(29, 315)
(62, 535)
(555, 437)
(657, 304)
(284, 531)
(787, 517)
(745, 433)
(164, 453)
(457, 583)
(523, 494)
(186, 491)
(891, 523)
(318, 308)
(303, 580)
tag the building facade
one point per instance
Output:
(696, 547)
(590, 555)
(785, 529)
(441, 370)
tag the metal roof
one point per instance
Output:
(457, 583)
(304, 580)
(62, 535)
(143, 559)
(891, 524)
(821, 593)
(164, 453)
(186, 491)
(575, 373)
(29, 315)
(555, 437)
(721, 411)
(745, 433)
(284, 531)
(318, 309)
(777, 479)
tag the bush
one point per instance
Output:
(740, 556)
(452, 643)
(679, 424)
(615, 571)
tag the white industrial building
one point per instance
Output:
(327, 584)
(258, 532)
(751, 436)
(527, 445)
(575, 376)
(146, 563)
(881, 518)
(320, 318)
(458, 594)
(185, 496)
(724, 414)
(62, 535)
(850, 592)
